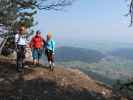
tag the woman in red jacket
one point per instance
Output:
(37, 44)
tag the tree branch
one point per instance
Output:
(131, 12)
(55, 5)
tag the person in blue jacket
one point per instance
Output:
(50, 50)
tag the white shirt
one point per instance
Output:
(20, 39)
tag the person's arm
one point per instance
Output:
(31, 43)
(27, 39)
(17, 37)
(44, 42)
(53, 46)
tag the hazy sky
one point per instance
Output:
(88, 20)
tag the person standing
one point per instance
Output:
(50, 50)
(21, 41)
(37, 43)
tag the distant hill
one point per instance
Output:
(78, 54)
(126, 53)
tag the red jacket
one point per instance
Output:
(37, 42)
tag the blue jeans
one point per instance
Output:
(36, 53)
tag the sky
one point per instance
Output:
(88, 21)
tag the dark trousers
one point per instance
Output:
(49, 55)
(20, 55)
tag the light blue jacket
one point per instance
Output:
(50, 45)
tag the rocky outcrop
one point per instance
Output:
(39, 83)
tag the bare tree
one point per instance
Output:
(53, 4)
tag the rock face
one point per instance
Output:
(28, 54)
(39, 83)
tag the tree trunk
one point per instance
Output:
(2, 44)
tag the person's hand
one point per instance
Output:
(30, 46)
(27, 46)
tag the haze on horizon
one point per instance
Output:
(88, 20)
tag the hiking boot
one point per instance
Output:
(51, 68)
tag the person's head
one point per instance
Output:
(49, 35)
(38, 33)
(22, 29)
